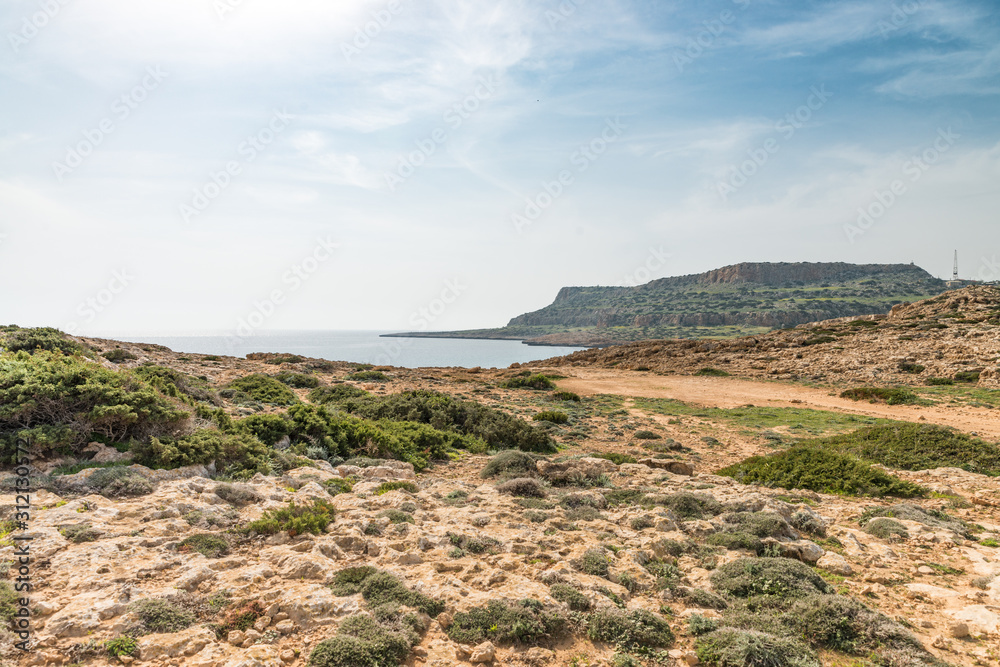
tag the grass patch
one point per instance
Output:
(712, 372)
(635, 631)
(207, 544)
(386, 487)
(889, 395)
(551, 416)
(538, 382)
(156, 615)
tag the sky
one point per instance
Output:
(178, 166)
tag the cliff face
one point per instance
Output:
(749, 294)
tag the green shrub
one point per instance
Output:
(8, 602)
(496, 428)
(40, 339)
(511, 463)
(238, 494)
(551, 416)
(936, 519)
(525, 622)
(174, 383)
(843, 624)
(79, 533)
(781, 577)
(61, 402)
(298, 380)
(635, 631)
(537, 381)
(155, 615)
(614, 457)
(705, 599)
(207, 544)
(688, 505)
(336, 393)
(269, 429)
(119, 483)
(892, 396)
(886, 529)
(379, 588)
(570, 597)
(397, 516)
(667, 574)
(386, 487)
(646, 435)
(476, 545)
(642, 522)
(908, 446)
(967, 376)
(121, 646)
(819, 470)
(348, 581)
(296, 519)
(819, 340)
(701, 625)
(712, 372)
(807, 522)
(729, 647)
(524, 487)
(263, 389)
(760, 524)
(736, 540)
(240, 454)
(939, 382)
(595, 562)
(278, 359)
(337, 485)
(566, 396)
(118, 355)
(913, 369)
(368, 376)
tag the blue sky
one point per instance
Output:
(178, 165)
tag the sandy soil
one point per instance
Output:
(734, 392)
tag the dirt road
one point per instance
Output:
(733, 392)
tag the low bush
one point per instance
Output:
(297, 380)
(120, 646)
(646, 435)
(79, 533)
(156, 615)
(566, 396)
(759, 524)
(570, 597)
(120, 483)
(819, 470)
(701, 625)
(337, 485)
(594, 562)
(967, 376)
(397, 516)
(39, 339)
(238, 494)
(378, 588)
(209, 545)
(511, 463)
(525, 622)
(551, 416)
(635, 631)
(336, 393)
(712, 372)
(386, 487)
(537, 381)
(642, 522)
(688, 505)
(238, 455)
(886, 529)
(524, 487)
(890, 395)
(383, 639)
(118, 355)
(475, 545)
(939, 382)
(808, 522)
(295, 519)
(367, 376)
(911, 368)
(705, 599)
(263, 389)
(936, 519)
(730, 647)
(736, 540)
(781, 577)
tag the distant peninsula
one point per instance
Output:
(738, 300)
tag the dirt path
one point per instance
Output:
(734, 392)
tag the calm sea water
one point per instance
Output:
(364, 347)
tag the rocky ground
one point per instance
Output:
(458, 538)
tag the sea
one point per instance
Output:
(367, 347)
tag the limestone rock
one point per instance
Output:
(835, 563)
(485, 652)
